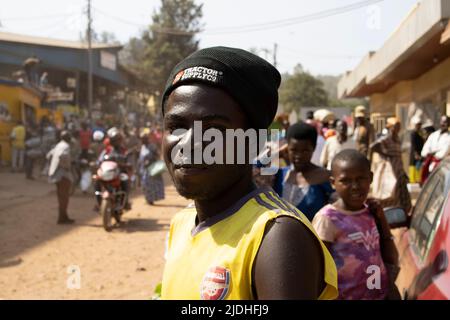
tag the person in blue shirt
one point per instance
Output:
(303, 183)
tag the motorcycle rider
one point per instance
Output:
(97, 145)
(115, 150)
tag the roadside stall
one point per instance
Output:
(19, 101)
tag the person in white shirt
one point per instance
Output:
(318, 151)
(436, 148)
(59, 173)
(336, 144)
(438, 143)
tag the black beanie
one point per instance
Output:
(250, 80)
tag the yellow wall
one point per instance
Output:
(9, 95)
(426, 87)
(14, 97)
(384, 103)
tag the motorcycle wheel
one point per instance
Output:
(106, 213)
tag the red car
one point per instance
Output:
(424, 245)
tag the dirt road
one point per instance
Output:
(36, 254)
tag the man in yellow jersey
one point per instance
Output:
(236, 241)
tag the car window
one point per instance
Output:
(430, 218)
(427, 214)
(422, 203)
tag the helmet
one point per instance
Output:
(114, 134)
(65, 135)
(98, 136)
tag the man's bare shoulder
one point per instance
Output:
(289, 264)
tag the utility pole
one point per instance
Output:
(275, 48)
(267, 53)
(89, 39)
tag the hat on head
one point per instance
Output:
(392, 121)
(250, 80)
(65, 135)
(360, 112)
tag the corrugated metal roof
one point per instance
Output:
(19, 38)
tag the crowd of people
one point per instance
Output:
(342, 197)
(312, 230)
(309, 147)
(57, 152)
(29, 143)
(428, 148)
(325, 173)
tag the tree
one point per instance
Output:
(301, 89)
(330, 84)
(103, 37)
(108, 38)
(170, 38)
(133, 54)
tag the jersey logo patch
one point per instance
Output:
(370, 240)
(215, 284)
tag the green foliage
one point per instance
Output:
(301, 89)
(107, 37)
(330, 84)
(169, 39)
(103, 37)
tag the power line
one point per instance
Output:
(275, 51)
(54, 28)
(65, 23)
(254, 27)
(226, 30)
(117, 18)
(292, 21)
(154, 28)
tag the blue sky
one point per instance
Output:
(330, 45)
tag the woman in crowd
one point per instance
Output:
(303, 184)
(390, 174)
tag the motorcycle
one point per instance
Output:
(113, 198)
